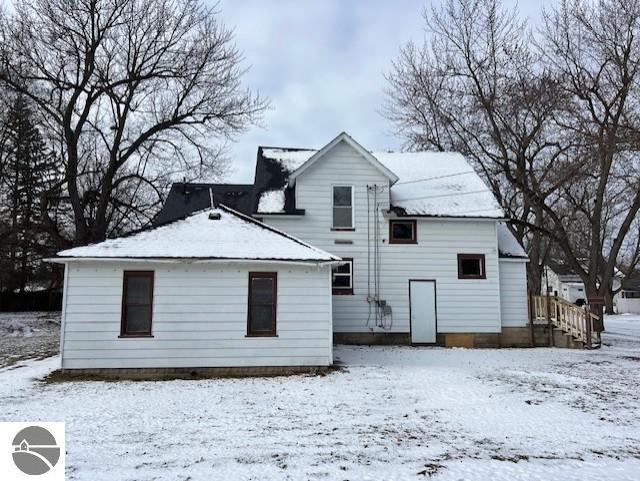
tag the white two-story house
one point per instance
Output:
(336, 244)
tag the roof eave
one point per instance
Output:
(65, 260)
(295, 213)
(452, 217)
(508, 257)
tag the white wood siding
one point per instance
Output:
(513, 293)
(462, 305)
(199, 318)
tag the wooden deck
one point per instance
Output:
(572, 320)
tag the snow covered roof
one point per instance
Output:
(429, 183)
(290, 159)
(272, 174)
(438, 184)
(271, 201)
(203, 235)
(508, 245)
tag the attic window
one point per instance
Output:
(342, 207)
(402, 232)
(471, 266)
(214, 216)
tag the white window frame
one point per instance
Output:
(343, 290)
(353, 207)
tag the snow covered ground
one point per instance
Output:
(394, 413)
(28, 335)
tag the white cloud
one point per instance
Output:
(321, 63)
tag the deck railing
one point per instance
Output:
(571, 319)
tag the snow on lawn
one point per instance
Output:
(28, 335)
(394, 413)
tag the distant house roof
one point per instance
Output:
(568, 274)
(213, 233)
(564, 271)
(186, 198)
(632, 283)
(508, 245)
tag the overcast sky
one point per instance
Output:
(321, 64)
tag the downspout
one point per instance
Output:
(330, 317)
(369, 254)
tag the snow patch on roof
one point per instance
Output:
(438, 184)
(232, 236)
(289, 159)
(271, 201)
(508, 245)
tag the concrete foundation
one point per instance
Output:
(372, 338)
(157, 374)
(509, 337)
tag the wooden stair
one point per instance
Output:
(573, 321)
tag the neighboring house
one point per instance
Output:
(426, 258)
(561, 280)
(628, 299)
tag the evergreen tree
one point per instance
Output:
(27, 168)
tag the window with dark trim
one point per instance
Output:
(137, 304)
(471, 266)
(263, 293)
(402, 232)
(342, 207)
(342, 278)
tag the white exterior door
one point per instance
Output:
(422, 295)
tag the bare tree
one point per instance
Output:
(478, 88)
(135, 93)
(550, 120)
(594, 48)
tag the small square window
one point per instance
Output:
(342, 278)
(402, 232)
(471, 266)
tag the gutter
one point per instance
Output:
(393, 214)
(513, 259)
(195, 260)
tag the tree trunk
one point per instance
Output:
(597, 308)
(534, 277)
(608, 302)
